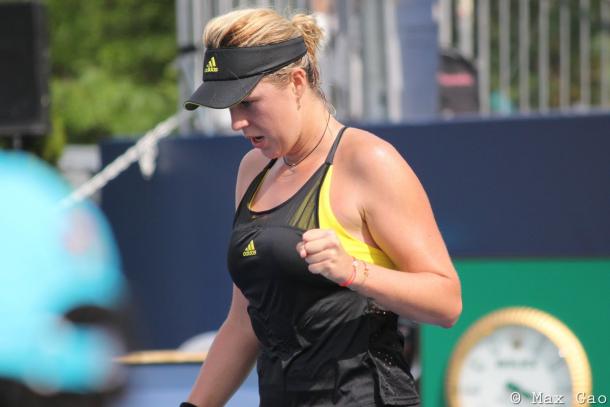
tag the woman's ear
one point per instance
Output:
(299, 82)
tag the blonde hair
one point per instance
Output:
(264, 26)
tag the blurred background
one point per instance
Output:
(502, 107)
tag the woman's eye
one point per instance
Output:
(246, 103)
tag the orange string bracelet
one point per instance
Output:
(365, 273)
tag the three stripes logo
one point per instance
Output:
(211, 66)
(250, 250)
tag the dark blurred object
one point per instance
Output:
(24, 69)
(15, 394)
(457, 82)
(411, 349)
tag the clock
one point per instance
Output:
(518, 356)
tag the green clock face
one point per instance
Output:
(517, 356)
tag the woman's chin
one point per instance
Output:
(270, 153)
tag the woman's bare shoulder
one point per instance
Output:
(252, 162)
(365, 153)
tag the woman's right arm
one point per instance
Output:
(230, 358)
(235, 347)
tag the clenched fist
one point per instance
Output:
(325, 255)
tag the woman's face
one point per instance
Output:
(268, 118)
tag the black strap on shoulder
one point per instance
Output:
(270, 164)
(253, 187)
(257, 180)
(333, 149)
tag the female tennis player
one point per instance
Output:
(333, 236)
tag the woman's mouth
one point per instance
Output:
(257, 141)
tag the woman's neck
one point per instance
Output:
(313, 140)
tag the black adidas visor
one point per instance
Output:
(230, 74)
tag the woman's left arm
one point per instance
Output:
(397, 213)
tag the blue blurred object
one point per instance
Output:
(53, 260)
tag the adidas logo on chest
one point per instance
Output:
(250, 250)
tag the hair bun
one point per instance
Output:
(310, 30)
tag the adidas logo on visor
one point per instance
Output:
(211, 66)
(250, 250)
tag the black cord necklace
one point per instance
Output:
(292, 165)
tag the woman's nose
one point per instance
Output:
(238, 120)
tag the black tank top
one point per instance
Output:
(322, 344)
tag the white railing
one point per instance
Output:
(535, 55)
